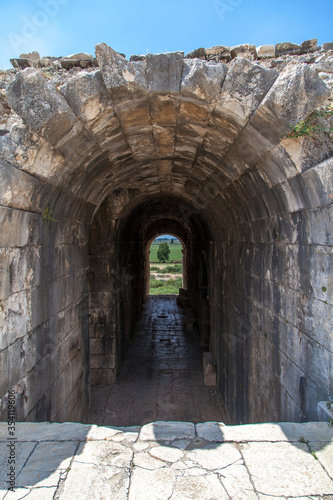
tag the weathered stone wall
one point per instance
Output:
(276, 350)
(198, 146)
(44, 305)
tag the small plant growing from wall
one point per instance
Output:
(307, 128)
(47, 214)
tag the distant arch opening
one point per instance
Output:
(166, 263)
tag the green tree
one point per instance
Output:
(163, 252)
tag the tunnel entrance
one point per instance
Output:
(166, 258)
(121, 255)
(102, 162)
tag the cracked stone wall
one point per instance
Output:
(95, 162)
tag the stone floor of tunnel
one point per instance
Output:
(162, 376)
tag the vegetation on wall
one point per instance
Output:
(309, 127)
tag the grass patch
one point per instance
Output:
(169, 287)
(175, 253)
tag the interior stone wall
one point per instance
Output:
(44, 323)
(276, 343)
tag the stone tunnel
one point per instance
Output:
(95, 167)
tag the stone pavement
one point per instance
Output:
(169, 461)
(162, 377)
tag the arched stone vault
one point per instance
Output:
(90, 171)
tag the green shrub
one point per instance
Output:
(156, 283)
(176, 268)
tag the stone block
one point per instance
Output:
(33, 56)
(135, 58)
(21, 63)
(74, 63)
(42, 107)
(327, 46)
(244, 82)
(264, 51)
(202, 80)
(209, 369)
(219, 53)
(18, 189)
(287, 48)
(244, 50)
(79, 56)
(97, 346)
(121, 77)
(164, 71)
(274, 117)
(197, 54)
(309, 46)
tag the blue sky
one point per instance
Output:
(62, 27)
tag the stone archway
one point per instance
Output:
(101, 157)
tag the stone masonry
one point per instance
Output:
(227, 148)
(171, 461)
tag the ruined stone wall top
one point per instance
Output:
(59, 69)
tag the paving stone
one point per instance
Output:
(40, 472)
(146, 461)
(263, 432)
(315, 431)
(167, 431)
(199, 488)
(166, 454)
(31, 494)
(26, 431)
(140, 446)
(213, 457)
(191, 469)
(126, 436)
(324, 453)
(182, 444)
(161, 483)
(107, 467)
(289, 470)
(179, 466)
(103, 453)
(22, 453)
(237, 482)
(99, 482)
